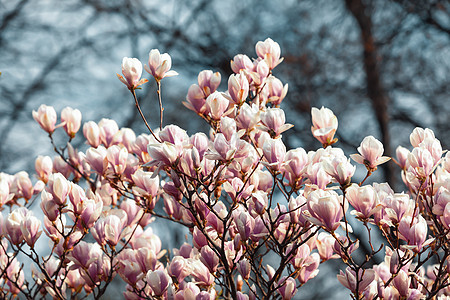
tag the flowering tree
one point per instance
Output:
(241, 194)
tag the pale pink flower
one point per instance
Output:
(273, 121)
(96, 158)
(91, 132)
(90, 212)
(209, 258)
(371, 151)
(109, 229)
(46, 117)
(196, 99)
(201, 274)
(325, 243)
(22, 186)
(59, 187)
(248, 117)
(276, 90)
(419, 135)
(324, 126)
(108, 128)
(274, 151)
(294, 165)
(217, 105)
(401, 283)
(348, 279)
(364, 199)
(238, 88)
(242, 62)
(132, 71)
(269, 51)
(208, 82)
(421, 162)
(147, 183)
(71, 118)
(13, 224)
(416, 234)
(244, 268)
(159, 65)
(44, 167)
(159, 282)
(117, 158)
(287, 287)
(223, 149)
(245, 224)
(30, 227)
(340, 169)
(325, 209)
(402, 157)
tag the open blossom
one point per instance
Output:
(364, 199)
(159, 65)
(46, 117)
(370, 153)
(132, 71)
(340, 169)
(325, 209)
(273, 121)
(324, 126)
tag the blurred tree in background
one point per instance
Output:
(382, 66)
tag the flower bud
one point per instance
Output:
(71, 118)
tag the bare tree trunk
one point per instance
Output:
(375, 90)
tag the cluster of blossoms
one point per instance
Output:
(243, 196)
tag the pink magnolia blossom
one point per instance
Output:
(159, 65)
(419, 135)
(324, 126)
(325, 209)
(217, 105)
(242, 62)
(238, 88)
(108, 128)
(208, 82)
(275, 152)
(414, 234)
(21, 186)
(59, 187)
(117, 158)
(287, 287)
(364, 199)
(46, 117)
(276, 90)
(71, 118)
(91, 132)
(349, 279)
(269, 51)
(96, 158)
(44, 167)
(370, 153)
(132, 71)
(273, 121)
(340, 169)
(158, 281)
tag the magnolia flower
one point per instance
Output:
(71, 118)
(371, 151)
(46, 117)
(159, 65)
(132, 71)
(348, 279)
(269, 51)
(324, 126)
